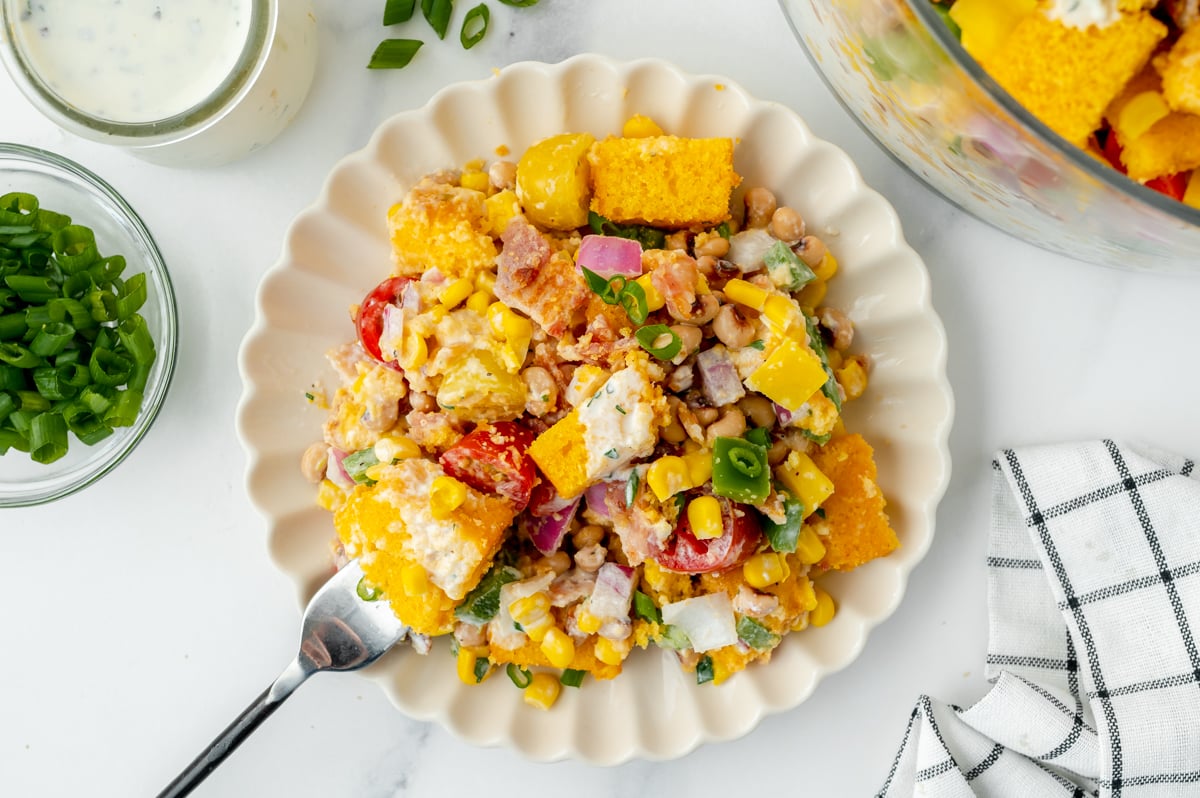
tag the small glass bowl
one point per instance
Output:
(252, 105)
(66, 187)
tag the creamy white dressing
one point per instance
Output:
(1084, 13)
(131, 61)
(619, 422)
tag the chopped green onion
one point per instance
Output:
(397, 11)
(755, 635)
(704, 670)
(519, 3)
(358, 463)
(19, 356)
(47, 437)
(367, 591)
(723, 230)
(645, 607)
(52, 339)
(482, 603)
(12, 325)
(758, 344)
(572, 677)
(482, 666)
(672, 637)
(519, 676)
(760, 436)
(631, 488)
(648, 237)
(478, 17)
(612, 454)
(633, 299)
(830, 388)
(648, 338)
(394, 53)
(745, 461)
(437, 14)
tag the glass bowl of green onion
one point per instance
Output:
(87, 327)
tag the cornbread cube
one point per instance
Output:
(441, 225)
(1181, 73)
(654, 180)
(390, 526)
(616, 425)
(855, 528)
(1067, 76)
(1172, 144)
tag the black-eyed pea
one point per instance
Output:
(758, 409)
(760, 207)
(811, 250)
(314, 462)
(731, 424)
(787, 225)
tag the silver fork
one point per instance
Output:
(341, 632)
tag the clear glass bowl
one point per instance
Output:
(902, 74)
(66, 187)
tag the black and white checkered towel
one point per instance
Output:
(1094, 646)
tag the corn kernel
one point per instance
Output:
(654, 297)
(745, 293)
(389, 449)
(611, 652)
(809, 548)
(476, 181)
(702, 286)
(446, 495)
(853, 378)
(667, 476)
(465, 665)
(377, 471)
(457, 292)
(529, 609)
(812, 294)
(588, 624)
(987, 23)
(414, 352)
(413, 579)
(700, 467)
(329, 496)
(479, 301)
(765, 569)
(704, 516)
(558, 648)
(486, 281)
(640, 127)
(1191, 196)
(826, 268)
(516, 326)
(810, 595)
(501, 208)
(543, 691)
(495, 315)
(825, 609)
(1140, 113)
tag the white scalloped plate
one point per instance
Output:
(338, 249)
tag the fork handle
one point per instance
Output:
(235, 733)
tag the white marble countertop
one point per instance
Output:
(140, 617)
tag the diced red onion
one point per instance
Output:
(609, 256)
(718, 377)
(783, 415)
(391, 336)
(335, 472)
(547, 531)
(613, 594)
(545, 500)
(748, 247)
(410, 298)
(707, 620)
(595, 499)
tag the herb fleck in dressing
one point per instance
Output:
(134, 60)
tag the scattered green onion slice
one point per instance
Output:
(755, 635)
(482, 666)
(397, 11)
(704, 670)
(357, 464)
(649, 336)
(367, 591)
(437, 14)
(519, 676)
(394, 53)
(633, 299)
(631, 488)
(482, 603)
(645, 608)
(572, 677)
(477, 18)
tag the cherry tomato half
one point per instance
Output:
(370, 316)
(495, 459)
(686, 554)
(1174, 186)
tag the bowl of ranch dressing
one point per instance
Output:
(181, 83)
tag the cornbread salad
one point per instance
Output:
(1118, 78)
(592, 407)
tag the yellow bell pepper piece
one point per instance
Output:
(789, 376)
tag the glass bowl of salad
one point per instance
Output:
(931, 82)
(87, 327)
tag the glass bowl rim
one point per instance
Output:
(925, 14)
(166, 342)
